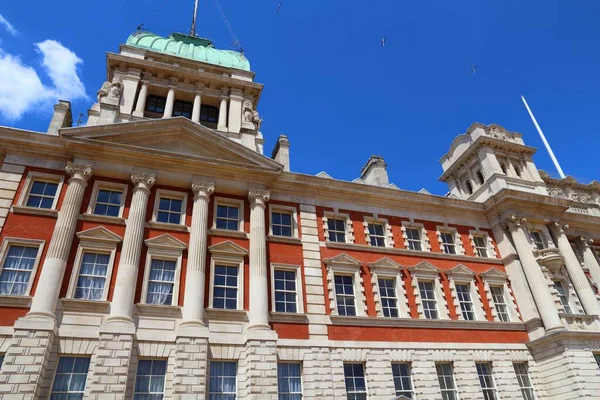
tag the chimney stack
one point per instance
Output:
(281, 152)
(375, 172)
(62, 117)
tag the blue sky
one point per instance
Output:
(332, 88)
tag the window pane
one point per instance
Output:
(521, 370)
(16, 270)
(161, 282)
(289, 381)
(41, 194)
(446, 381)
(222, 383)
(484, 372)
(429, 303)
(227, 217)
(285, 291)
(344, 290)
(337, 230)
(387, 294)
(225, 289)
(402, 380)
(464, 299)
(69, 381)
(354, 377)
(150, 379)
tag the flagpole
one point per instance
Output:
(193, 30)
(537, 126)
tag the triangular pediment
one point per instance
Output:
(228, 248)
(99, 234)
(460, 272)
(341, 259)
(385, 263)
(323, 175)
(494, 275)
(166, 242)
(177, 137)
(424, 266)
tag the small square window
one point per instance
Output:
(377, 235)
(463, 294)
(17, 268)
(42, 194)
(289, 381)
(69, 381)
(428, 301)
(282, 223)
(225, 287)
(228, 217)
(344, 292)
(285, 291)
(402, 380)
(448, 244)
(150, 380)
(169, 210)
(161, 282)
(356, 386)
(91, 279)
(222, 383)
(413, 236)
(538, 240)
(108, 202)
(389, 300)
(336, 228)
(481, 248)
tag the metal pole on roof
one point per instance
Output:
(537, 126)
(193, 30)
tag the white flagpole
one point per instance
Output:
(193, 30)
(537, 126)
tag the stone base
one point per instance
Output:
(257, 370)
(191, 363)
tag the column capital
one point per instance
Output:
(202, 189)
(584, 241)
(258, 196)
(79, 172)
(514, 221)
(142, 180)
(557, 227)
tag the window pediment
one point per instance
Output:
(165, 242)
(342, 260)
(494, 276)
(99, 234)
(385, 264)
(425, 270)
(460, 273)
(228, 248)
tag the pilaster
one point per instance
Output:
(235, 110)
(258, 367)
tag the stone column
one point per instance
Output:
(197, 106)
(222, 124)
(235, 110)
(170, 102)
(537, 282)
(578, 279)
(140, 106)
(121, 308)
(53, 269)
(259, 289)
(193, 303)
(590, 260)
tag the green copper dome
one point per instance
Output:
(190, 47)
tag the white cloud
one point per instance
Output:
(9, 27)
(22, 89)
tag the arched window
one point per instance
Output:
(469, 187)
(480, 177)
(518, 171)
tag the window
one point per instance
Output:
(469, 187)
(108, 202)
(524, 381)
(222, 383)
(161, 282)
(225, 287)
(92, 276)
(445, 376)
(69, 381)
(156, 104)
(337, 229)
(17, 268)
(182, 108)
(209, 114)
(486, 380)
(413, 236)
(42, 194)
(285, 291)
(497, 293)
(150, 380)
(170, 210)
(289, 381)
(356, 388)
(228, 217)
(377, 235)
(481, 248)
(402, 379)
(480, 177)
(563, 297)
(1, 360)
(538, 241)
(344, 293)
(282, 224)
(596, 357)
(448, 245)
(464, 299)
(429, 303)
(389, 300)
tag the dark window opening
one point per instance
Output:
(469, 187)
(518, 171)
(480, 177)
(209, 114)
(182, 109)
(156, 104)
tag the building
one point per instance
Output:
(157, 252)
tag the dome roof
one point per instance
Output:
(190, 47)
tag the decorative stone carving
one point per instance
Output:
(202, 188)
(77, 171)
(497, 132)
(259, 196)
(251, 115)
(142, 180)
(111, 90)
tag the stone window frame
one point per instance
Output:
(495, 277)
(574, 302)
(425, 243)
(458, 245)
(97, 240)
(287, 210)
(299, 292)
(34, 176)
(488, 241)
(163, 247)
(428, 272)
(343, 264)
(544, 233)
(98, 185)
(226, 201)
(15, 241)
(462, 275)
(171, 194)
(231, 255)
(388, 237)
(387, 268)
(348, 226)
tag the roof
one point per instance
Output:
(190, 47)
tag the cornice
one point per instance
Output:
(564, 334)
(533, 206)
(426, 323)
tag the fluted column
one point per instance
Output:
(590, 260)
(169, 103)
(535, 277)
(140, 106)
(53, 269)
(197, 106)
(121, 307)
(222, 124)
(578, 279)
(193, 302)
(259, 289)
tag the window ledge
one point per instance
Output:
(35, 211)
(285, 239)
(226, 315)
(92, 306)
(427, 323)
(289, 317)
(228, 233)
(392, 250)
(157, 310)
(15, 301)
(168, 227)
(103, 218)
